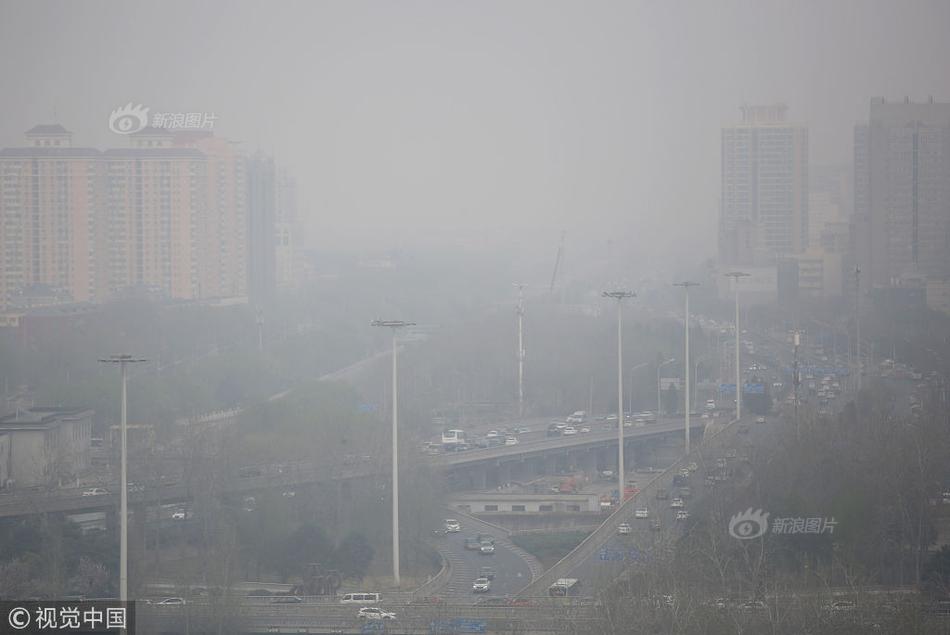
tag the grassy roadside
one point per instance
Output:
(549, 548)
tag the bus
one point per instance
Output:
(451, 439)
(565, 587)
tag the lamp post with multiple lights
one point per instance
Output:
(619, 296)
(686, 285)
(395, 325)
(123, 361)
(736, 275)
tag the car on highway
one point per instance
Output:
(841, 606)
(624, 529)
(492, 434)
(693, 467)
(452, 525)
(677, 503)
(288, 493)
(95, 491)
(486, 549)
(584, 429)
(171, 602)
(578, 417)
(286, 599)
(569, 430)
(682, 514)
(510, 440)
(135, 487)
(181, 514)
(641, 512)
(760, 419)
(486, 572)
(375, 613)
(522, 430)
(481, 585)
(554, 430)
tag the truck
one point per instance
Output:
(565, 587)
(568, 485)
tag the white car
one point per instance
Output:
(677, 503)
(180, 514)
(584, 429)
(95, 491)
(375, 613)
(452, 526)
(641, 512)
(486, 549)
(624, 529)
(492, 434)
(682, 515)
(760, 419)
(569, 430)
(171, 602)
(511, 441)
(481, 585)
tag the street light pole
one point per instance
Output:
(619, 296)
(736, 275)
(394, 325)
(520, 350)
(123, 361)
(686, 285)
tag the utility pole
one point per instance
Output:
(686, 285)
(394, 325)
(520, 350)
(619, 296)
(736, 275)
(123, 361)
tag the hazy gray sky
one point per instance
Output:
(495, 123)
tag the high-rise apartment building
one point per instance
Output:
(261, 215)
(286, 230)
(48, 225)
(901, 225)
(154, 195)
(221, 230)
(764, 205)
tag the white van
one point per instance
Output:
(360, 598)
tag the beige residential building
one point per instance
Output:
(48, 202)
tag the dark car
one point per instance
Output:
(286, 599)
(553, 431)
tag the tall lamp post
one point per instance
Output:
(520, 350)
(736, 275)
(659, 395)
(686, 285)
(123, 361)
(619, 296)
(394, 325)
